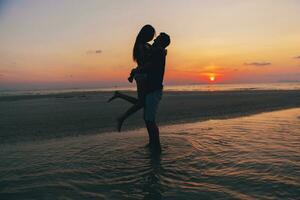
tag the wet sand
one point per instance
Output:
(37, 117)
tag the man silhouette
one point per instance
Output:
(155, 76)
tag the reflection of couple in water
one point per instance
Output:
(149, 76)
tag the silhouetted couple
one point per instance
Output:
(149, 75)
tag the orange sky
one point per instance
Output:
(89, 43)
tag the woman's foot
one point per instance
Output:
(116, 95)
(120, 123)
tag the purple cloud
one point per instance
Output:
(258, 64)
(98, 51)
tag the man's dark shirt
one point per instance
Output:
(155, 73)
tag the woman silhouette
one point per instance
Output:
(141, 55)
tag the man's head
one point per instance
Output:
(162, 41)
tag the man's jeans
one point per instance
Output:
(151, 105)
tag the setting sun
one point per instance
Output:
(212, 78)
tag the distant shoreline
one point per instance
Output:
(38, 117)
(17, 94)
(131, 92)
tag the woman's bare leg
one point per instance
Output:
(126, 97)
(133, 109)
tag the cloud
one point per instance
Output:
(297, 57)
(258, 64)
(8, 63)
(97, 51)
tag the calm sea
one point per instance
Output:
(256, 157)
(191, 87)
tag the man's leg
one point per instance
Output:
(151, 106)
(153, 133)
(150, 131)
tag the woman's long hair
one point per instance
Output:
(145, 35)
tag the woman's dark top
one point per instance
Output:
(142, 61)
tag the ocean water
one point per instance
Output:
(254, 157)
(190, 87)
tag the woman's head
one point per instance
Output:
(145, 35)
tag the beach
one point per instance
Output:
(252, 157)
(27, 118)
(150, 100)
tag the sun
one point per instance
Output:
(212, 78)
